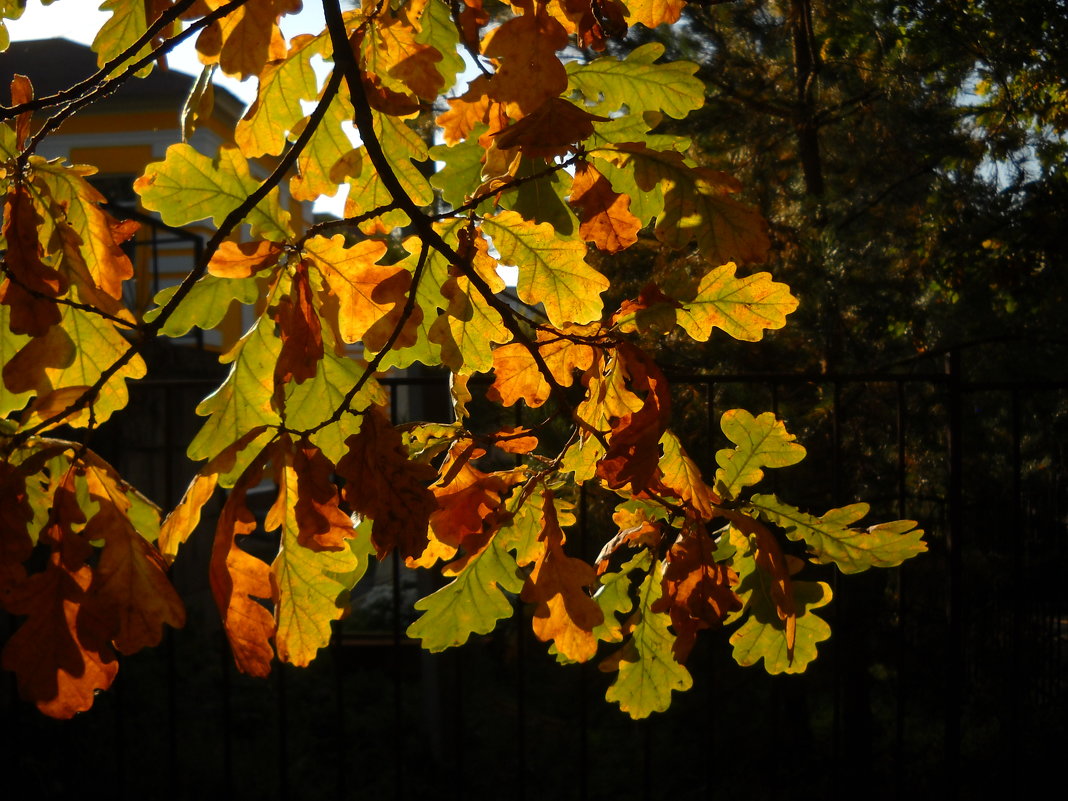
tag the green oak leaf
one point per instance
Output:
(648, 672)
(613, 596)
(742, 307)
(471, 603)
(438, 30)
(462, 170)
(638, 83)
(283, 84)
(313, 401)
(10, 344)
(205, 305)
(761, 442)
(188, 186)
(763, 635)
(127, 23)
(244, 401)
(312, 586)
(830, 537)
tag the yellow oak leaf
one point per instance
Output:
(371, 296)
(552, 270)
(742, 307)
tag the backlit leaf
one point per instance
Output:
(639, 83)
(831, 538)
(188, 186)
(648, 672)
(552, 271)
(742, 307)
(760, 442)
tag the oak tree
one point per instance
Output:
(550, 150)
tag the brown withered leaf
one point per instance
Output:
(553, 129)
(697, 591)
(30, 283)
(323, 526)
(301, 332)
(130, 588)
(633, 452)
(466, 497)
(60, 655)
(383, 484)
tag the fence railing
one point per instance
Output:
(945, 675)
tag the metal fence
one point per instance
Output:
(944, 676)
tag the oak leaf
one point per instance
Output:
(647, 670)
(383, 484)
(831, 539)
(241, 583)
(742, 307)
(760, 442)
(563, 612)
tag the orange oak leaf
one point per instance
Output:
(564, 612)
(515, 440)
(466, 497)
(472, 108)
(517, 376)
(130, 588)
(26, 371)
(240, 260)
(60, 655)
(652, 310)
(682, 478)
(21, 92)
(594, 21)
(392, 53)
(636, 528)
(241, 583)
(31, 283)
(383, 484)
(88, 236)
(604, 214)
(529, 72)
(371, 295)
(243, 41)
(652, 13)
(185, 517)
(697, 590)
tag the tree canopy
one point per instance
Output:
(556, 153)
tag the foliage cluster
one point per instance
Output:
(546, 159)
